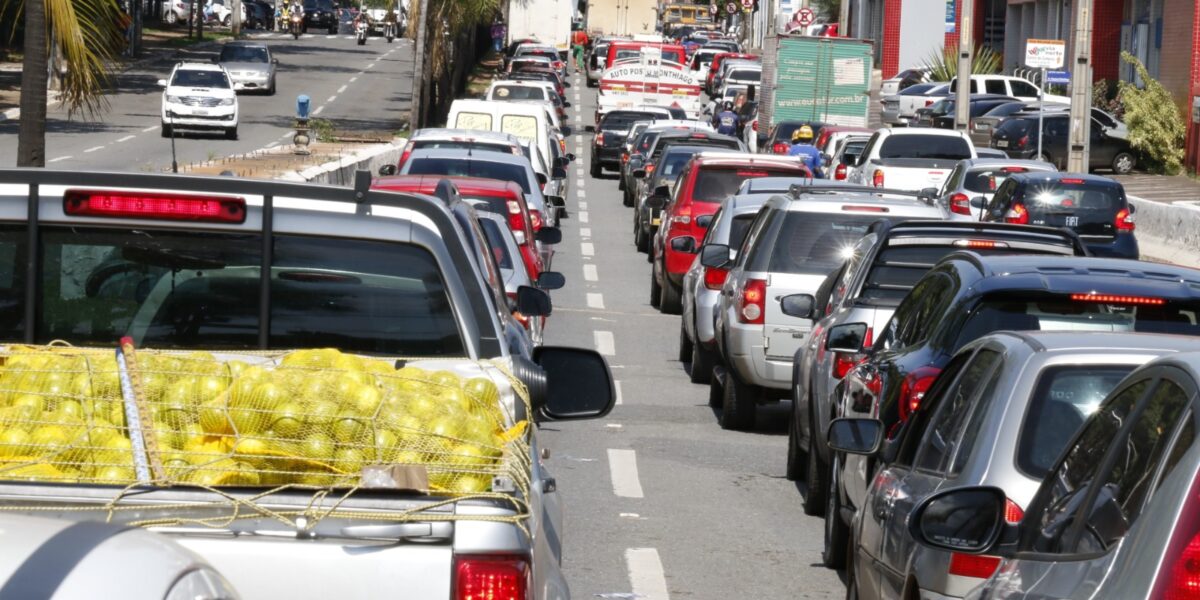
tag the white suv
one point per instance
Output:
(199, 96)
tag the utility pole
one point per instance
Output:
(235, 20)
(416, 114)
(844, 19)
(1081, 90)
(966, 46)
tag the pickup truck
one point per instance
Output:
(910, 159)
(251, 271)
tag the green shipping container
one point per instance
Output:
(819, 79)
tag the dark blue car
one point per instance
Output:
(1093, 207)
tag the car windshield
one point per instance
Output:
(244, 54)
(1017, 127)
(717, 184)
(174, 289)
(812, 243)
(1072, 196)
(925, 146)
(518, 92)
(745, 74)
(200, 79)
(1062, 400)
(466, 167)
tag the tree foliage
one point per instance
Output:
(1156, 129)
(943, 64)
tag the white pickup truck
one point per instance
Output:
(243, 276)
(910, 159)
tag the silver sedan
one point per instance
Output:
(250, 66)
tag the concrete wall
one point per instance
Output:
(341, 172)
(1168, 232)
(922, 31)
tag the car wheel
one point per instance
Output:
(669, 303)
(172, 18)
(851, 576)
(641, 239)
(592, 82)
(655, 292)
(737, 404)
(227, 20)
(1123, 163)
(271, 90)
(702, 364)
(231, 133)
(597, 170)
(333, 30)
(795, 456)
(714, 392)
(685, 344)
(815, 476)
(836, 532)
(166, 130)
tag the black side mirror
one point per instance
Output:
(541, 178)
(855, 436)
(800, 306)
(579, 384)
(274, 61)
(570, 157)
(551, 280)
(533, 302)
(928, 193)
(589, 128)
(996, 212)
(663, 191)
(548, 235)
(715, 256)
(968, 520)
(847, 337)
(558, 173)
(566, 104)
(387, 170)
(563, 161)
(685, 244)
(704, 221)
(638, 173)
(978, 202)
(655, 202)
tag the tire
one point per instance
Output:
(670, 302)
(227, 21)
(702, 364)
(271, 90)
(597, 170)
(714, 392)
(816, 473)
(641, 239)
(628, 200)
(592, 82)
(851, 576)
(836, 531)
(333, 30)
(166, 130)
(796, 458)
(685, 344)
(1123, 163)
(171, 18)
(231, 133)
(655, 291)
(737, 404)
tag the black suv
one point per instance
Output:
(609, 142)
(967, 296)
(319, 14)
(1017, 136)
(1094, 207)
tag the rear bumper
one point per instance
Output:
(706, 307)
(749, 358)
(1123, 246)
(892, 117)
(607, 156)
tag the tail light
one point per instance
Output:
(913, 389)
(960, 204)
(1112, 299)
(780, 148)
(714, 278)
(516, 222)
(491, 578)
(929, 102)
(649, 169)
(1124, 220)
(839, 173)
(844, 361)
(1017, 214)
(408, 150)
(971, 565)
(599, 139)
(1012, 513)
(877, 178)
(521, 318)
(1021, 143)
(752, 303)
(754, 125)
(624, 157)
(154, 205)
(535, 217)
(1178, 575)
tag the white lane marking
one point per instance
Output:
(625, 515)
(582, 205)
(353, 79)
(319, 109)
(604, 343)
(348, 37)
(581, 194)
(341, 89)
(595, 300)
(583, 216)
(330, 37)
(622, 466)
(613, 425)
(371, 66)
(272, 144)
(617, 384)
(579, 182)
(587, 249)
(150, 128)
(589, 273)
(126, 138)
(585, 232)
(68, 157)
(286, 136)
(93, 149)
(646, 575)
(331, 99)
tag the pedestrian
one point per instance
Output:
(802, 148)
(578, 50)
(498, 31)
(279, 19)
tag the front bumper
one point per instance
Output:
(749, 358)
(248, 83)
(217, 117)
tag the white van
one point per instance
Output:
(527, 121)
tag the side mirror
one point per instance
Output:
(928, 193)
(533, 302)
(563, 161)
(551, 280)
(589, 128)
(800, 306)
(274, 61)
(685, 244)
(847, 337)
(579, 384)
(715, 256)
(570, 157)
(996, 212)
(704, 221)
(968, 520)
(655, 202)
(387, 170)
(638, 173)
(162, 83)
(541, 178)
(978, 202)
(855, 436)
(548, 235)
(558, 173)
(663, 191)
(566, 104)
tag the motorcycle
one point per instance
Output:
(295, 27)
(389, 31)
(361, 31)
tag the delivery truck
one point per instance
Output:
(818, 79)
(548, 21)
(648, 79)
(622, 17)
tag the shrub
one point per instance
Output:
(943, 65)
(1156, 129)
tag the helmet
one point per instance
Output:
(803, 134)
(728, 105)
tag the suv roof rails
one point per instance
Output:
(797, 189)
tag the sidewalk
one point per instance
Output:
(1162, 189)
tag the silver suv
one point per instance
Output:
(767, 305)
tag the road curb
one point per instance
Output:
(341, 171)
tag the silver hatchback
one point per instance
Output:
(971, 184)
(999, 415)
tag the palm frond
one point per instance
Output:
(943, 64)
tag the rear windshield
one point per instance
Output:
(715, 185)
(708, 142)
(1071, 198)
(672, 164)
(812, 243)
(1064, 398)
(898, 268)
(518, 92)
(622, 120)
(745, 74)
(1016, 127)
(986, 181)
(644, 141)
(918, 89)
(469, 168)
(925, 146)
(200, 79)
(497, 243)
(739, 228)
(172, 289)
(784, 131)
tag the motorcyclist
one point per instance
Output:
(802, 147)
(726, 120)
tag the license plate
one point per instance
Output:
(655, 221)
(983, 127)
(199, 112)
(1001, 143)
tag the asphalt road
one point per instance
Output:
(359, 88)
(660, 502)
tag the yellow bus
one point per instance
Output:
(686, 14)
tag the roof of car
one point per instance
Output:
(922, 131)
(426, 184)
(712, 158)
(1051, 176)
(974, 163)
(1096, 342)
(883, 203)
(464, 135)
(660, 126)
(1081, 275)
(461, 154)
(199, 66)
(244, 43)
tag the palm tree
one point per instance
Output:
(89, 36)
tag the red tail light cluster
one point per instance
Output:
(154, 205)
(535, 216)
(913, 389)
(491, 578)
(1124, 220)
(714, 278)
(754, 125)
(1017, 214)
(843, 362)
(752, 303)
(1178, 575)
(960, 204)
(599, 139)
(971, 565)
(516, 222)
(408, 150)
(877, 178)
(780, 148)
(839, 173)
(1021, 143)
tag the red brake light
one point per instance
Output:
(1023, 141)
(649, 169)
(913, 389)
(780, 148)
(861, 208)
(1017, 214)
(1109, 298)
(839, 174)
(877, 178)
(600, 138)
(1012, 513)
(754, 126)
(960, 204)
(1179, 573)
(752, 302)
(843, 362)
(714, 278)
(535, 217)
(1124, 220)
(970, 565)
(408, 150)
(1071, 180)
(929, 102)
(154, 205)
(491, 578)
(752, 173)
(983, 244)
(1014, 170)
(624, 157)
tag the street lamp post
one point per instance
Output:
(1081, 90)
(966, 43)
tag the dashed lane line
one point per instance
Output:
(622, 466)
(585, 232)
(150, 128)
(595, 300)
(126, 138)
(581, 193)
(605, 344)
(353, 79)
(587, 248)
(331, 99)
(371, 66)
(68, 157)
(646, 575)
(93, 149)
(331, 37)
(582, 205)
(617, 390)
(341, 89)
(589, 273)
(319, 110)
(583, 216)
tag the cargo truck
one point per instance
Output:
(548, 21)
(818, 79)
(622, 17)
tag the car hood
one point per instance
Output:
(179, 90)
(246, 66)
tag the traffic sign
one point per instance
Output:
(1045, 54)
(1058, 77)
(805, 16)
(712, 8)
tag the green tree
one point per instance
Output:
(1156, 129)
(943, 64)
(89, 36)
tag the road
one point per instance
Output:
(359, 88)
(660, 501)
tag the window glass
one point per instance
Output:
(913, 430)
(1023, 89)
(473, 120)
(470, 168)
(996, 86)
(244, 54)
(813, 243)
(945, 430)
(897, 269)
(717, 184)
(518, 92)
(497, 243)
(200, 79)
(524, 127)
(928, 306)
(12, 282)
(750, 252)
(1063, 399)
(925, 146)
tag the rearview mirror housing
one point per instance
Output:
(541, 178)
(715, 256)
(551, 280)
(558, 173)
(855, 436)
(800, 306)
(847, 337)
(704, 221)
(969, 520)
(928, 193)
(548, 235)
(579, 384)
(638, 173)
(662, 190)
(533, 302)
(162, 83)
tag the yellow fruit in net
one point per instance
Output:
(37, 403)
(318, 447)
(114, 475)
(287, 420)
(408, 457)
(349, 428)
(471, 484)
(385, 445)
(349, 460)
(234, 368)
(214, 418)
(454, 400)
(447, 427)
(313, 389)
(33, 472)
(14, 442)
(468, 456)
(445, 379)
(209, 388)
(252, 447)
(348, 362)
(321, 414)
(479, 431)
(70, 408)
(483, 390)
(367, 399)
(47, 439)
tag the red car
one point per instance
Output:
(707, 180)
(501, 197)
(716, 67)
